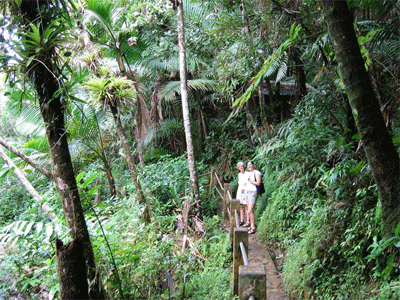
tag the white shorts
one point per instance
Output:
(242, 197)
(251, 196)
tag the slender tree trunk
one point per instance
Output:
(185, 109)
(28, 186)
(245, 19)
(301, 88)
(139, 143)
(131, 163)
(110, 177)
(378, 146)
(263, 115)
(201, 127)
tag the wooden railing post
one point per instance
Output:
(227, 193)
(240, 235)
(234, 204)
(212, 182)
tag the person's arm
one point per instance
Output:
(257, 180)
(258, 177)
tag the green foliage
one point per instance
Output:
(149, 258)
(173, 88)
(13, 201)
(320, 204)
(29, 254)
(86, 193)
(322, 209)
(222, 138)
(110, 90)
(277, 62)
(378, 252)
(198, 286)
(167, 180)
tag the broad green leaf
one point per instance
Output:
(80, 176)
(397, 231)
(89, 180)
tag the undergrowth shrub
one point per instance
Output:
(27, 258)
(324, 210)
(168, 181)
(215, 247)
(13, 201)
(149, 259)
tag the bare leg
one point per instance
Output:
(251, 215)
(248, 211)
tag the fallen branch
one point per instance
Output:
(28, 186)
(26, 159)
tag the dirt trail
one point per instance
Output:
(259, 255)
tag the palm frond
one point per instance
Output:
(196, 13)
(283, 66)
(173, 88)
(384, 40)
(101, 11)
(170, 127)
(29, 120)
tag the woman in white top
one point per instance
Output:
(241, 191)
(253, 180)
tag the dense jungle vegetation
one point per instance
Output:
(104, 144)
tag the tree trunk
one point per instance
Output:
(185, 109)
(378, 146)
(139, 143)
(131, 163)
(44, 73)
(110, 177)
(245, 19)
(71, 270)
(52, 111)
(301, 88)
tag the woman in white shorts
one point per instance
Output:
(241, 191)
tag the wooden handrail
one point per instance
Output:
(220, 194)
(220, 184)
